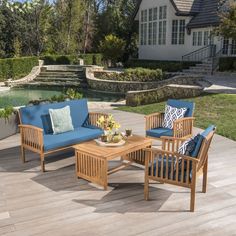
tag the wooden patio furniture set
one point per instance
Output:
(165, 165)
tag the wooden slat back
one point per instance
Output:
(203, 153)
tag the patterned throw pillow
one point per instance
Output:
(61, 120)
(172, 114)
(188, 146)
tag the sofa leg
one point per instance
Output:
(42, 162)
(22, 154)
(204, 181)
(192, 199)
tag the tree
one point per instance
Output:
(112, 48)
(227, 26)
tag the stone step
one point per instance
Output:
(199, 72)
(65, 70)
(60, 79)
(200, 69)
(202, 66)
(45, 75)
(36, 84)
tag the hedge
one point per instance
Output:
(89, 59)
(227, 64)
(15, 68)
(133, 74)
(166, 66)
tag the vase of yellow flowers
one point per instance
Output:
(111, 129)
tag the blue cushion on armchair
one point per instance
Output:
(158, 132)
(180, 104)
(200, 139)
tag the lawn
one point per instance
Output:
(217, 109)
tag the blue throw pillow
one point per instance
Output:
(47, 124)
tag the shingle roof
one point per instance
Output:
(208, 15)
(188, 6)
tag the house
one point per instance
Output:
(181, 29)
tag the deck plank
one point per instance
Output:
(57, 203)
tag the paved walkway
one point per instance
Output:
(56, 203)
(220, 84)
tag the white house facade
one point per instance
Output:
(172, 29)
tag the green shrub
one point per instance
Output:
(6, 112)
(112, 48)
(137, 74)
(227, 64)
(167, 66)
(89, 59)
(92, 59)
(15, 68)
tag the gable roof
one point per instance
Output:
(187, 6)
(207, 16)
(204, 12)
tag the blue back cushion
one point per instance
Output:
(200, 139)
(39, 115)
(181, 104)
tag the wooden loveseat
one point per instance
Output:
(36, 129)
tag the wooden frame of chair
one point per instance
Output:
(167, 174)
(183, 128)
(32, 138)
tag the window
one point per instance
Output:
(152, 26)
(162, 12)
(206, 38)
(194, 38)
(181, 31)
(162, 25)
(143, 28)
(174, 39)
(154, 33)
(233, 47)
(199, 38)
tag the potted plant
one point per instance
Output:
(111, 129)
(8, 122)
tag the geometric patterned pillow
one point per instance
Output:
(172, 114)
(188, 146)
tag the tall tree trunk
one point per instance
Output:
(87, 24)
(70, 6)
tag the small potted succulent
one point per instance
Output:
(8, 122)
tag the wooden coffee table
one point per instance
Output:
(92, 159)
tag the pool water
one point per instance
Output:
(19, 97)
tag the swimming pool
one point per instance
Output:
(21, 96)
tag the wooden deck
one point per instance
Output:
(57, 203)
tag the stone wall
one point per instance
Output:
(31, 76)
(125, 86)
(176, 91)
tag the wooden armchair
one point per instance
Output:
(182, 128)
(33, 138)
(168, 166)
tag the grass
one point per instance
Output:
(217, 109)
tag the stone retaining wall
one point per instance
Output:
(136, 98)
(31, 76)
(125, 86)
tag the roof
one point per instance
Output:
(208, 15)
(204, 12)
(187, 6)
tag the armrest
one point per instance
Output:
(170, 166)
(154, 120)
(183, 127)
(171, 144)
(94, 117)
(31, 137)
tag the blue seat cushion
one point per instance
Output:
(158, 132)
(38, 115)
(180, 104)
(76, 136)
(169, 169)
(200, 139)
